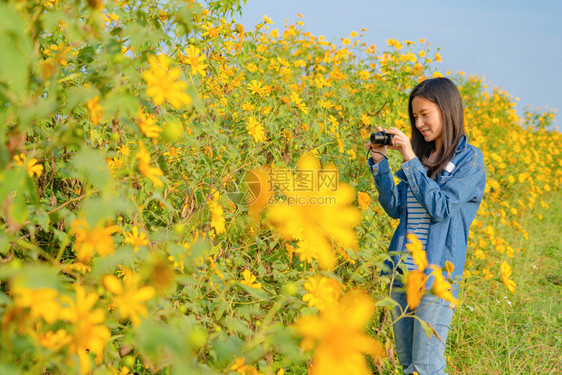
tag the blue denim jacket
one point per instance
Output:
(451, 202)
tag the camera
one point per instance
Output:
(381, 138)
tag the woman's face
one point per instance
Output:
(428, 120)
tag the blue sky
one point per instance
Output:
(515, 45)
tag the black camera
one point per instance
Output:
(381, 138)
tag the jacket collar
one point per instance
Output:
(463, 144)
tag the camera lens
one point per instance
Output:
(381, 138)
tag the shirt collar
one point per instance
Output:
(462, 144)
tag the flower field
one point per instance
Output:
(179, 195)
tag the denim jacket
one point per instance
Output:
(451, 202)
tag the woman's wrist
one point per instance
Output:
(378, 156)
(408, 155)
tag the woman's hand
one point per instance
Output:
(377, 152)
(401, 142)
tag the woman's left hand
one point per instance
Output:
(401, 142)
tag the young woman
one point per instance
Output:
(441, 186)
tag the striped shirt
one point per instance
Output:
(417, 223)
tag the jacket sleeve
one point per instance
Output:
(466, 184)
(389, 195)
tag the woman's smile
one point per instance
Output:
(429, 120)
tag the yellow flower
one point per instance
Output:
(124, 150)
(364, 200)
(255, 129)
(247, 106)
(33, 168)
(196, 60)
(449, 267)
(76, 267)
(217, 218)
(252, 67)
(50, 3)
(259, 192)
(299, 103)
(42, 302)
(111, 17)
(417, 251)
(243, 369)
(213, 267)
(415, 288)
(249, 280)
(128, 297)
(338, 337)
(31, 165)
(322, 292)
(173, 153)
(210, 30)
(325, 103)
(135, 238)
(505, 273)
(441, 287)
(87, 331)
(54, 340)
(256, 87)
(163, 84)
(147, 124)
(113, 164)
(20, 159)
(487, 274)
(145, 169)
(318, 216)
(95, 239)
(96, 110)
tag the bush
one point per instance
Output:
(180, 195)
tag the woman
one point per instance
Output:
(441, 186)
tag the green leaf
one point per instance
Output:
(38, 110)
(220, 309)
(108, 264)
(14, 65)
(18, 208)
(10, 180)
(140, 36)
(91, 164)
(42, 219)
(4, 242)
(155, 338)
(8, 369)
(226, 349)
(78, 95)
(257, 293)
(36, 276)
(119, 103)
(429, 330)
(99, 209)
(236, 325)
(387, 302)
(4, 299)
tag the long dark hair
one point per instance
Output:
(443, 92)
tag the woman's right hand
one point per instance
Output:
(376, 150)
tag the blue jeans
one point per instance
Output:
(416, 351)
